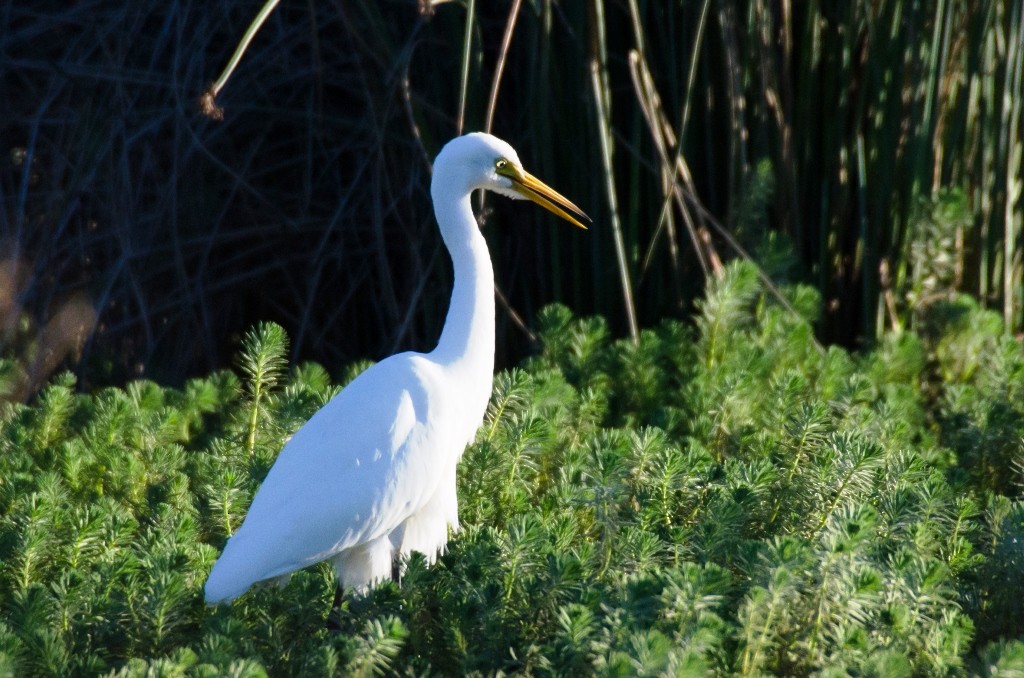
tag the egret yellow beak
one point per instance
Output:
(529, 186)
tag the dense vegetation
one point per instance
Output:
(726, 496)
(720, 495)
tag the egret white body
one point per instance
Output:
(372, 474)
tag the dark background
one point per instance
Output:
(870, 149)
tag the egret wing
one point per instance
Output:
(354, 472)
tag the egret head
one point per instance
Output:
(481, 161)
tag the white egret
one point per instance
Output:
(372, 474)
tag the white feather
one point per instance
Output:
(372, 474)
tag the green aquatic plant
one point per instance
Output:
(723, 497)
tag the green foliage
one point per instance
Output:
(263, 362)
(1002, 659)
(724, 498)
(933, 257)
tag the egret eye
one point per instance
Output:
(500, 164)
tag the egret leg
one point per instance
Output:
(333, 623)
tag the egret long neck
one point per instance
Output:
(467, 340)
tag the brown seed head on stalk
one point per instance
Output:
(208, 104)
